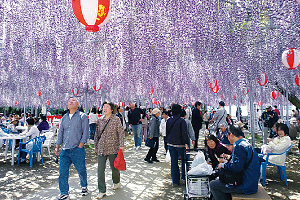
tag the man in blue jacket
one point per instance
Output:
(241, 155)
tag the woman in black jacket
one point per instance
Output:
(177, 140)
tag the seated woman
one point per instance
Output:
(215, 150)
(279, 144)
(44, 124)
(222, 136)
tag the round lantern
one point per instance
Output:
(159, 103)
(275, 94)
(245, 90)
(75, 91)
(297, 78)
(153, 101)
(97, 86)
(214, 84)
(262, 79)
(120, 104)
(215, 89)
(92, 13)
(291, 58)
(151, 92)
(38, 93)
(48, 102)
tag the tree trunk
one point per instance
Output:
(291, 96)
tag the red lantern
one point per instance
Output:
(16, 103)
(262, 79)
(120, 104)
(245, 91)
(38, 93)
(193, 103)
(159, 103)
(297, 80)
(96, 87)
(215, 89)
(75, 91)
(291, 58)
(92, 13)
(153, 101)
(213, 85)
(241, 101)
(48, 102)
(234, 97)
(152, 91)
(275, 94)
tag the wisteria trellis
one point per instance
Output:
(176, 47)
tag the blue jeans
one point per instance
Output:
(221, 192)
(175, 152)
(137, 132)
(67, 157)
(92, 130)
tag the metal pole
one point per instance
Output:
(85, 100)
(252, 114)
(287, 107)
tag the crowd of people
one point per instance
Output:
(179, 126)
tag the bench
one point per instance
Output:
(260, 194)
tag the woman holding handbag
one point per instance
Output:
(153, 134)
(109, 138)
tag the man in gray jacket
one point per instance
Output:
(73, 133)
(220, 115)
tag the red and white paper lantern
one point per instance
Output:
(213, 84)
(275, 94)
(159, 103)
(291, 58)
(262, 79)
(121, 104)
(48, 102)
(245, 90)
(215, 89)
(92, 13)
(75, 91)
(97, 86)
(153, 101)
(38, 92)
(150, 92)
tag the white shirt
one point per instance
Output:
(163, 127)
(126, 116)
(279, 145)
(93, 118)
(33, 132)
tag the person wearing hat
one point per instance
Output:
(153, 134)
(269, 118)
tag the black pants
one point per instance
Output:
(196, 130)
(152, 151)
(165, 144)
(206, 124)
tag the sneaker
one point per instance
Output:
(137, 148)
(116, 186)
(84, 191)
(100, 195)
(63, 197)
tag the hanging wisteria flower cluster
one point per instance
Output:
(178, 48)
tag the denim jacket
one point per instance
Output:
(241, 154)
(73, 131)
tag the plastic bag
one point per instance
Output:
(119, 162)
(168, 157)
(29, 146)
(199, 159)
(203, 169)
(265, 149)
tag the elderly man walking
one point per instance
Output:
(73, 133)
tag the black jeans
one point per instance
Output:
(152, 151)
(196, 130)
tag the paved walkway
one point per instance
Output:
(141, 180)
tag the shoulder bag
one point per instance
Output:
(233, 178)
